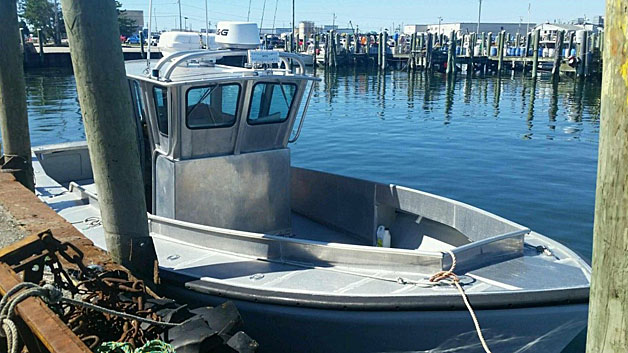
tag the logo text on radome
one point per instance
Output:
(222, 32)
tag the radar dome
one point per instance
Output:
(237, 35)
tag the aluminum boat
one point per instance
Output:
(297, 249)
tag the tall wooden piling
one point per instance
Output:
(13, 114)
(535, 54)
(382, 47)
(582, 55)
(500, 52)
(110, 129)
(471, 52)
(558, 53)
(451, 54)
(489, 43)
(482, 45)
(570, 46)
(316, 40)
(142, 44)
(428, 51)
(40, 43)
(608, 303)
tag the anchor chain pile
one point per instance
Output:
(104, 306)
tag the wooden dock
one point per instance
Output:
(470, 53)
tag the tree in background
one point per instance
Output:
(39, 14)
(127, 25)
(44, 15)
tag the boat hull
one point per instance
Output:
(283, 328)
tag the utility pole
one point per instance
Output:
(479, 16)
(528, 25)
(111, 132)
(206, 25)
(185, 26)
(180, 20)
(608, 311)
(13, 114)
(293, 31)
(440, 19)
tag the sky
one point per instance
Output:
(366, 14)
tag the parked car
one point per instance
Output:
(134, 39)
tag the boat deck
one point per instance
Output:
(209, 269)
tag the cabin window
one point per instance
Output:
(212, 106)
(139, 103)
(161, 105)
(271, 102)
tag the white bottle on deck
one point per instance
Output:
(383, 237)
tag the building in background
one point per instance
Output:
(410, 29)
(469, 27)
(306, 29)
(137, 16)
(275, 31)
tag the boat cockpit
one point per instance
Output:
(214, 132)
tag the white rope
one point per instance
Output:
(449, 274)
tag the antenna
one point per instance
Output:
(206, 26)
(261, 23)
(180, 19)
(150, 16)
(248, 14)
(275, 16)
(479, 16)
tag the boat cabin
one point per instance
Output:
(215, 136)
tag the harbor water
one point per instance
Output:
(525, 150)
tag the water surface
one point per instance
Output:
(525, 150)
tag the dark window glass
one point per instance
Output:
(161, 104)
(212, 106)
(271, 102)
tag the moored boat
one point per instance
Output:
(297, 249)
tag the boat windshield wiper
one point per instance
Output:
(205, 95)
(283, 92)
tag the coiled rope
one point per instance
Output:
(449, 274)
(51, 295)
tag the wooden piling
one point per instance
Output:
(428, 51)
(451, 54)
(535, 54)
(500, 52)
(316, 40)
(413, 51)
(582, 55)
(471, 52)
(587, 55)
(572, 35)
(482, 45)
(489, 43)
(142, 44)
(558, 53)
(40, 42)
(111, 132)
(608, 302)
(23, 47)
(13, 112)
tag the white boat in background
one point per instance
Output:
(176, 41)
(297, 249)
